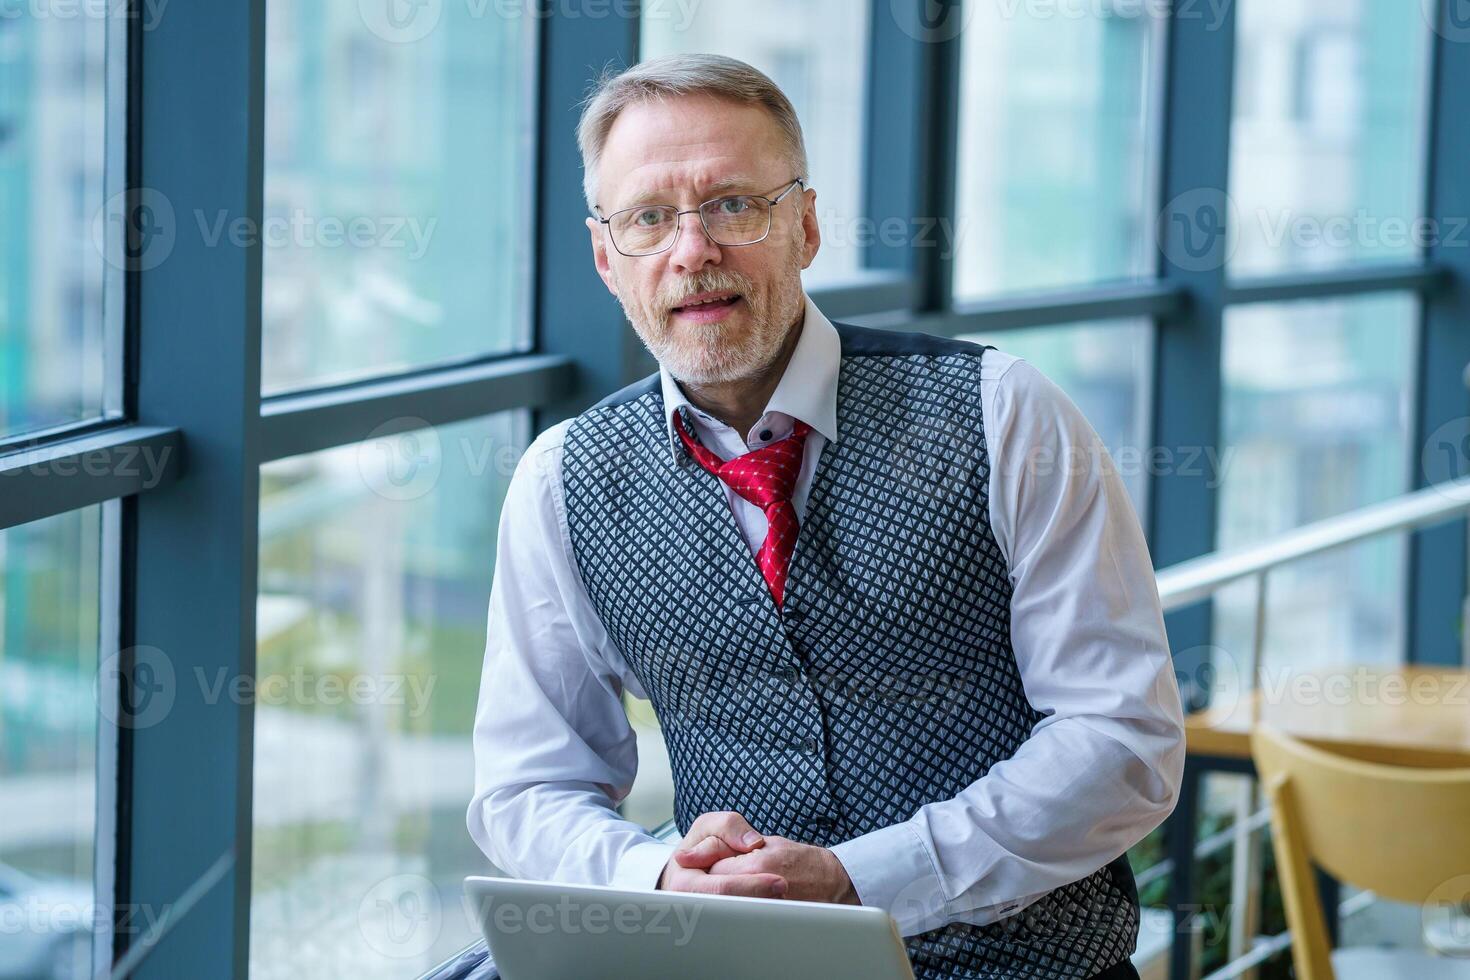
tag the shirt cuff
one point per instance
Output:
(641, 865)
(891, 869)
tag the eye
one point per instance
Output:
(732, 206)
(650, 218)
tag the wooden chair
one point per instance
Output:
(1402, 833)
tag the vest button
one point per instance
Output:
(789, 674)
(809, 744)
(824, 823)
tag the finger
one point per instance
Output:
(728, 826)
(704, 853)
(750, 886)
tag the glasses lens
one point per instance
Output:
(638, 231)
(737, 220)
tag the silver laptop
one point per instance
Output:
(540, 930)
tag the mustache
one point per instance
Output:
(674, 293)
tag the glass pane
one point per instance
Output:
(817, 52)
(1105, 368)
(1057, 146)
(1326, 163)
(52, 167)
(1316, 422)
(398, 158)
(49, 633)
(375, 570)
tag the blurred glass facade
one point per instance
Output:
(817, 52)
(1328, 135)
(1104, 368)
(375, 569)
(398, 228)
(50, 590)
(52, 187)
(1058, 151)
(1317, 422)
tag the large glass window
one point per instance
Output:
(816, 50)
(1316, 423)
(50, 584)
(399, 217)
(53, 356)
(1057, 155)
(375, 569)
(1326, 162)
(1105, 368)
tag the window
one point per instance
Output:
(50, 634)
(398, 207)
(375, 569)
(1105, 368)
(1316, 423)
(816, 50)
(1327, 167)
(1057, 151)
(55, 364)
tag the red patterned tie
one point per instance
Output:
(766, 477)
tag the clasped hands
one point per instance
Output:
(724, 855)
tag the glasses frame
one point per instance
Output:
(786, 189)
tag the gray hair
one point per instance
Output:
(675, 75)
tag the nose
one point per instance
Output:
(693, 249)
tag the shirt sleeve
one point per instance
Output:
(1102, 767)
(554, 750)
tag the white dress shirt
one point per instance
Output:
(554, 751)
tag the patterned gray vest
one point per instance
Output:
(887, 679)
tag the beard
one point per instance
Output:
(716, 353)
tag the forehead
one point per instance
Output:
(685, 145)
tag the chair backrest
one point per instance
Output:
(1399, 832)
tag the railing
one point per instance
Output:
(1183, 585)
(1198, 579)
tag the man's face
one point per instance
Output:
(685, 151)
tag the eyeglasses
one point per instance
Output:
(741, 219)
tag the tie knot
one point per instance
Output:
(765, 476)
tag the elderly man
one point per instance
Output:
(887, 596)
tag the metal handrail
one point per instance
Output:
(1199, 578)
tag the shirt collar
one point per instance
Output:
(807, 389)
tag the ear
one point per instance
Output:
(599, 253)
(811, 232)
